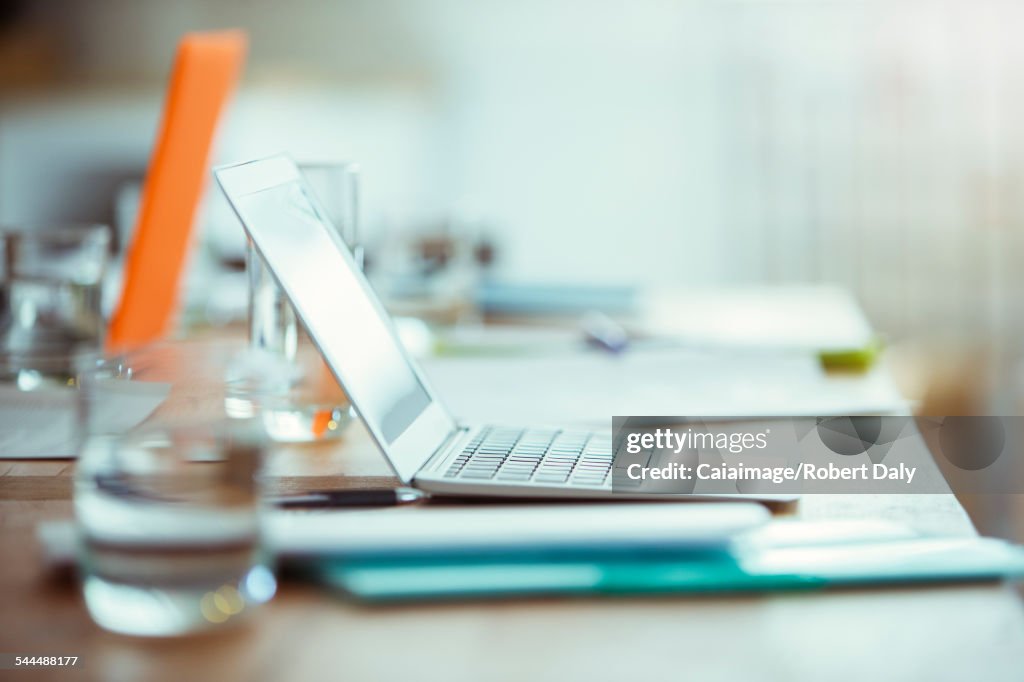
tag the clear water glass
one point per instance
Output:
(284, 382)
(51, 281)
(169, 521)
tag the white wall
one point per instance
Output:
(582, 132)
(870, 143)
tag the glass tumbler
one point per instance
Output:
(308, 406)
(50, 292)
(169, 519)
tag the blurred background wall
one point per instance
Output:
(642, 142)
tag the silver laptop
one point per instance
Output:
(421, 440)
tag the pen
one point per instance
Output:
(338, 499)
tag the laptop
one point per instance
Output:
(422, 441)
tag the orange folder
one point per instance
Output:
(206, 68)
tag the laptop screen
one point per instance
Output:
(334, 301)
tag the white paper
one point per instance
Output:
(43, 424)
(813, 318)
(476, 528)
(589, 388)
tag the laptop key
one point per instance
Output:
(512, 477)
(490, 467)
(484, 476)
(547, 466)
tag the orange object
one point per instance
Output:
(321, 422)
(206, 69)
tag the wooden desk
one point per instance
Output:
(956, 633)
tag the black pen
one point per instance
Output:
(355, 497)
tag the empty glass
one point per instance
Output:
(300, 402)
(50, 290)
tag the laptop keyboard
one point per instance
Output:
(550, 456)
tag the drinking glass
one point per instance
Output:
(300, 402)
(50, 292)
(169, 520)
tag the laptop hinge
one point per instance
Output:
(444, 448)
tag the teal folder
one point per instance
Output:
(917, 561)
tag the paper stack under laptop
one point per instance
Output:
(505, 551)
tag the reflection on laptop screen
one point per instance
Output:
(351, 331)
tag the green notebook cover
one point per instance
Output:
(925, 560)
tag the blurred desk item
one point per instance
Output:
(484, 551)
(469, 533)
(348, 499)
(297, 409)
(825, 320)
(567, 386)
(953, 632)
(44, 423)
(205, 70)
(169, 526)
(510, 299)
(813, 567)
(51, 280)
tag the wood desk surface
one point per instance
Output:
(953, 632)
